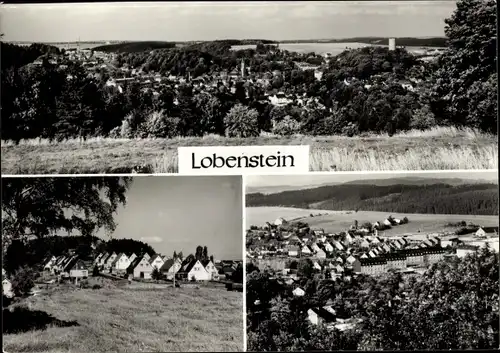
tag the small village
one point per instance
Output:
(280, 247)
(144, 268)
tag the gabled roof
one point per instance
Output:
(324, 314)
(167, 265)
(189, 266)
(154, 257)
(117, 258)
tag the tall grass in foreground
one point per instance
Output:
(435, 149)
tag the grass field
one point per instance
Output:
(336, 221)
(136, 318)
(437, 149)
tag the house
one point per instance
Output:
(364, 244)
(351, 259)
(140, 268)
(339, 246)
(227, 271)
(372, 253)
(364, 256)
(328, 246)
(7, 288)
(77, 269)
(293, 251)
(485, 231)
(109, 261)
(280, 222)
(156, 261)
(132, 257)
(423, 256)
(316, 265)
(464, 250)
(146, 255)
(103, 259)
(387, 223)
(210, 267)
(171, 267)
(320, 316)
(49, 263)
(298, 292)
(194, 270)
(121, 263)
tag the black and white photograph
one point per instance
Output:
(122, 264)
(372, 261)
(90, 88)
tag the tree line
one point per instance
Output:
(477, 199)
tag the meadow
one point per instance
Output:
(439, 148)
(135, 318)
(337, 221)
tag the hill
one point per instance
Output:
(439, 198)
(133, 47)
(410, 180)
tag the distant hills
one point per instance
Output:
(132, 47)
(402, 195)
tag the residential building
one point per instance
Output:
(320, 316)
(395, 260)
(121, 263)
(194, 270)
(109, 261)
(464, 250)
(156, 261)
(77, 269)
(132, 257)
(210, 267)
(171, 267)
(370, 266)
(298, 292)
(140, 268)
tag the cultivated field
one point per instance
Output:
(336, 221)
(437, 149)
(136, 318)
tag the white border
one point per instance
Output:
(244, 253)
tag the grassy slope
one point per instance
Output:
(439, 148)
(336, 221)
(136, 319)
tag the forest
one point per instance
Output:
(459, 89)
(453, 305)
(130, 47)
(476, 199)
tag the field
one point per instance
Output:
(336, 221)
(136, 318)
(437, 149)
(320, 48)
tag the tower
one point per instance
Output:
(242, 68)
(392, 43)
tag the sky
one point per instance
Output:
(181, 212)
(274, 183)
(175, 21)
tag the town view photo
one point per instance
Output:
(372, 261)
(122, 264)
(386, 85)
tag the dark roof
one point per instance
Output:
(490, 229)
(422, 251)
(188, 266)
(468, 247)
(372, 261)
(394, 256)
(167, 264)
(134, 263)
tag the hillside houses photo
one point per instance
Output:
(116, 263)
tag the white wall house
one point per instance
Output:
(211, 269)
(197, 271)
(142, 268)
(121, 263)
(298, 292)
(110, 260)
(7, 288)
(170, 268)
(156, 261)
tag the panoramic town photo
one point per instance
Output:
(118, 87)
(122, 264)
(372, 261)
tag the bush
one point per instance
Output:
(23, 281)
(241, 121)
(422, 119)
(287, 127)
(96, 286)
(193, 279)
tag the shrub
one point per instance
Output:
(241, 121)
(23, 281)
(126, 130)
(96, 286)
(422, 119)
(350, 130)
(286, 127)
(193, 279)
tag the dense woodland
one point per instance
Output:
(454, 305)
(476, 199)
(460, 89)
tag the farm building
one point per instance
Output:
(156, 261)
(194, 270)
(171, 267)
(121, 263)
(140, 268)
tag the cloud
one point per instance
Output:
(152, 239)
